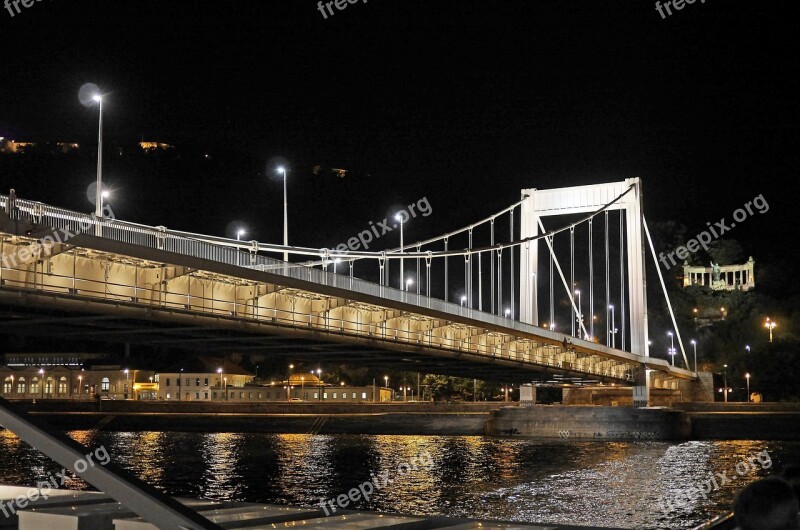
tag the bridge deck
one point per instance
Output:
(140, 274)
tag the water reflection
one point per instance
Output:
(624, 484)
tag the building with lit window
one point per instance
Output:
(70, 382)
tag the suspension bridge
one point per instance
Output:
(505, 298)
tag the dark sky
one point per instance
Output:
(462, 102)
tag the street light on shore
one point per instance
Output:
(288, 382)
(725, 382)
(694, 345)
(747, 377)
(770, 325)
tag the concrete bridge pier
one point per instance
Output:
(590, 423)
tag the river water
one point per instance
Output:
(626, 484)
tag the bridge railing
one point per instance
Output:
(227, 251)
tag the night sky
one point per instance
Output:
(462, 102)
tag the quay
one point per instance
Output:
(682, 421)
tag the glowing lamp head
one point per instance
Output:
(97, 97)
(281, 169)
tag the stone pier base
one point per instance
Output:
(590, 423)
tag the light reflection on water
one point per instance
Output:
(620, 484)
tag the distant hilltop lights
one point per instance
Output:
(16, 147)
(155, 146)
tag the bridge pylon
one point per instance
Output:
(624, 196)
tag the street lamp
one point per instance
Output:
(672, 346)
(409, 281)
(126, 382)
(288, 382)
(579, 316)
(725, 382)
(302, 387)
(239, 233)
(399, 218)
(41, 373)
(319, 377)
(613, 329)
(770, 325)
(463, 300)
(747, 348)
(98, 210)
(747, 378)
(508, 312)
(694, 346)
(285, 215)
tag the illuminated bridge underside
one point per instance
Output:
(104, 290)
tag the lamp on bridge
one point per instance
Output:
(463, 300)
(671, 346)
(508, 312)
(282, 169)
(613, 329)
(399, 219)
(98, 209)
(694, 346)
(409, 282)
